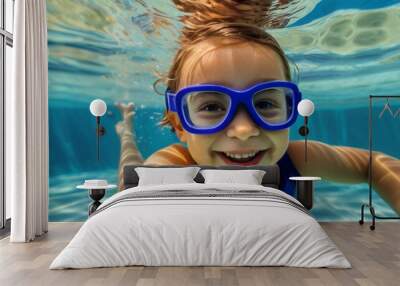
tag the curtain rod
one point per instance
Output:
(384, 96)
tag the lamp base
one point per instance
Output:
(303, 130)
(101, 130)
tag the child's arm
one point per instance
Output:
(130, 154)
(175, 154)
(349, 165)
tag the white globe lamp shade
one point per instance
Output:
(305, 107)
(98, 107)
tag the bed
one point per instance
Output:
(201, 224)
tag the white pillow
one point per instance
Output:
(163, 176)
(248, 177)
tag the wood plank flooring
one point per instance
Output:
(374, 255)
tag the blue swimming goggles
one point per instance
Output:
(209, 108)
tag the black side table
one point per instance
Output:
(305, 190)
(96, 195)
(97, 190)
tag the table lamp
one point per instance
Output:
(305, 109)
(98, 108)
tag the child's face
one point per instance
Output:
(237, 66)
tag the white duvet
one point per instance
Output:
(182, 231)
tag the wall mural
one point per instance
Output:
(231, 100)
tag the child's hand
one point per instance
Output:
(126, 109)
(124, 126)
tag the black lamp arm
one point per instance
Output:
(303, 131)
(100, 131)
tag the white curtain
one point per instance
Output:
(27, 124)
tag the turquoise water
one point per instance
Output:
(345, 50)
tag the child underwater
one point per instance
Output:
(231, 101)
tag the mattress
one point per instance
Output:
(201, 225)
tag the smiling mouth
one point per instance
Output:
(243, 159)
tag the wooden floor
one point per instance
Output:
(374, 255)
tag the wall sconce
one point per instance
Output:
(98, 108)
(305, 109)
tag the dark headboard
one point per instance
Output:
(270, 179)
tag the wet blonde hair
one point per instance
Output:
(239, 21)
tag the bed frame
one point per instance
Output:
(270, 179)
